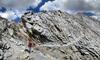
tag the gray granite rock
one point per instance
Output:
(58, 36)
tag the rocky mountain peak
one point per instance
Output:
(57, 35)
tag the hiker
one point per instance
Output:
(30, 45)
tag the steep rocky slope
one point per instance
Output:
(58, 36)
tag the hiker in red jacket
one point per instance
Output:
(30, 45)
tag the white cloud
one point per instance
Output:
(18, 4)
(6, 14)
(55, 5)
(11, 15)
(73, 5)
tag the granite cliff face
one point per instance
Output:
(58, 36)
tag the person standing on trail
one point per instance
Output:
(30, 45)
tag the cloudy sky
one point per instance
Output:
(74, 5)
(64, 5)
(18, 4)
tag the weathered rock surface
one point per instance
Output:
(59, 36)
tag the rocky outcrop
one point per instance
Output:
(58, 36)
(68, 37)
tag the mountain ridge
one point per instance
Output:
(58, 36)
